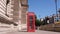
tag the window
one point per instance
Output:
(31, 22)
(7, 2)
(31, 17)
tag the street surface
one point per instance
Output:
(37, 32)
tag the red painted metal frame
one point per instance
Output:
(28, 23)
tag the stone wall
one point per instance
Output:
(50, 27)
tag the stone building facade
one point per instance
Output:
(18, 10)
(14, 12)
(5, 23)
(3, 16)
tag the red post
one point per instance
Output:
(31, 22)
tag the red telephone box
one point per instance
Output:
(31, 22)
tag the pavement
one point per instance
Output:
(36, 32)
(16, 31)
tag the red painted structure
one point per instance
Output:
(30, 22)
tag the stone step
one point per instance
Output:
(5, 29)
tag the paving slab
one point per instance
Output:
(37, 32)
